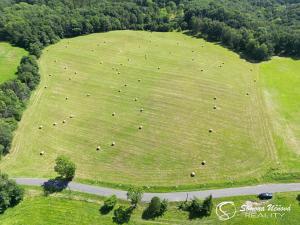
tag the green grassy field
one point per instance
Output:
(9, 60)
(74, 208)
(174, 78)
(281, 80)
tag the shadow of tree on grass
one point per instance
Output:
(57, 184)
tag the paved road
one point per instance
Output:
(172, 196)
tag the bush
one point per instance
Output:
(197, 208)
(65, 167)
(156, 208)
(298, 197)
(207, 206)
(163, 207)
(134, 195)
(11, 193)
(109, 204)
(122, 215)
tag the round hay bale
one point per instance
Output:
(75, 72)
(40, 127)
(101, 62)
(215, 107)
(139, 80)
(55, 60)
(215, 98)
(119, 90)
(54, 124)
(113, 114)
(210, 130)
(254, 80)
(119, 72)
(158, 67)
(67, 98)
(203, 162)
(45, 87)
(140, 127)
(50, 75)
(125, 85)
(88, 95)
(64, 121)
(201, 70)
(42, 153)
(135, 99)
(65, 67)
(141, 110)
(247, 93)
(98, 148)
(71, 116)
(113, 143)
(193, 174)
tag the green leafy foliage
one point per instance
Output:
(109, 204)
(10, 193)
(134, 195)
(198, 208)
(65, 167)
(156, 208)
(122, 215)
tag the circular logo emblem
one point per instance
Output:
(225, 210)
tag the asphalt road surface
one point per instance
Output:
(172, 196)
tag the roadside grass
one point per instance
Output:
(9, 60)
(174, 78)
(78, 208)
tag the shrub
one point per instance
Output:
(109, 204)
(207, 206)
(122, 215)
(197, 208)
(11, 193)
(134, 195)
(156, 208)
(65, 167)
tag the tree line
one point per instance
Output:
(13, 98)
(255, 29)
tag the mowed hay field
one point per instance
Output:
(174, 78)
(9, 60)
(281, 80)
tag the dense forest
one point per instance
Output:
(255, 29)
